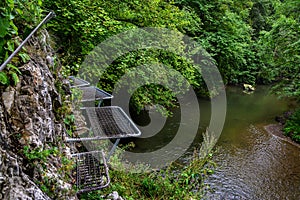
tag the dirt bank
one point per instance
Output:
(276, 131)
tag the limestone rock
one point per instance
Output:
(15, 184)
(28, 119)
(114, 196)
(248, 87)
(8, 99)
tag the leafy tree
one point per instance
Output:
(281, 48)
(82, 25)
(252, 41)
(260, 16)
(228, 38)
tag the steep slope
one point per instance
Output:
(34, 162)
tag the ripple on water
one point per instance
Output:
(260, 167)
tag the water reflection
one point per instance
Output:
(251, 163)
(260, 167)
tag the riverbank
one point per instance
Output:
(276, 131)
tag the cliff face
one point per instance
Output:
(31, 144)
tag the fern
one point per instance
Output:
(4, 79)
(15, 78)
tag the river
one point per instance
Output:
(251, 163)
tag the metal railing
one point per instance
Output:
(45, 20)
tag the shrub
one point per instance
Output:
(17, 18)
(292, 126)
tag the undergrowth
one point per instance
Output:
(292, 126)
(172, 182)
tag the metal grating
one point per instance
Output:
(91, 171)
(111, 122)
(77, 82)
(93, 93)
(107, 122)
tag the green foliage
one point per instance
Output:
(39, 154)
(69, 119)
(69, 122)
(183, 183)
(156, 13)
(281, 49)
(10, 76)
(227, 37)
(260, 15)
(16, 18)
(81, 25)
(4, 79)
(252, 41)
(292, 126)
(153, 77)
(47, 185)
(38, 159)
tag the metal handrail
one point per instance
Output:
(45, 20)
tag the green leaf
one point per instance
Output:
(11, 17)
(24, 56)
(15, 78)
(14, 28)
(4, 25)
(3, 78)
(10, 45)
(11, 3)
(12, 67)
(19, 11)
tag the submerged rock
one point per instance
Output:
(248, 89)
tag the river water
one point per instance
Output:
(251, 163)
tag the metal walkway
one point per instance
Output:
(93, 93)
(91, 171)
(77, 82)
(108, 122)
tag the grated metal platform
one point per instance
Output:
(93, 93)
(106, 123)
(91, 171)
(111, 122)
(78, 82)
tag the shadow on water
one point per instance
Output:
(251, 163)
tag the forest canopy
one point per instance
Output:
(252, 41)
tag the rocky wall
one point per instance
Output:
(28, 120)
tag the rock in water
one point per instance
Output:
(248, 88)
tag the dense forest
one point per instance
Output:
(251, 41)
